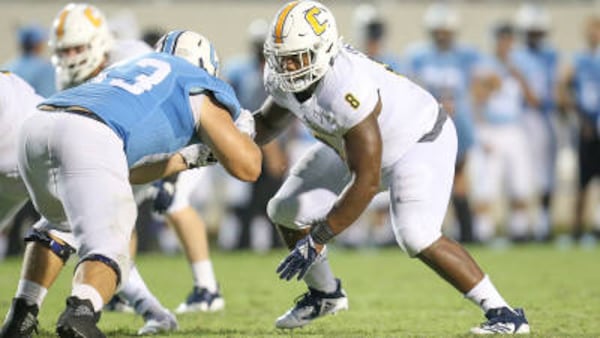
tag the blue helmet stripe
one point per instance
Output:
(171, 42)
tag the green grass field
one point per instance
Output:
(390, 295)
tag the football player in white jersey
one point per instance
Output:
(17, 102)
(379, 131)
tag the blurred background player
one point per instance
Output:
(248, 200)
(32, 65)
(82, 46)
(501, 155)
(371, 35)
(537, 61)
(580, 91)
(444, 67)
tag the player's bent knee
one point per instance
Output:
(121, 270)
(413, 242)
(282, 212)
(62, 250)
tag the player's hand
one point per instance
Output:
(164, 196)
(245, 123)
(198, 155)
(305, 254)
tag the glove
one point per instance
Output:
(245, 123)
(165, 195)
(300, 259)
(197, 155)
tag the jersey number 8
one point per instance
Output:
(352, 100)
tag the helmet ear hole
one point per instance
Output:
(192, 47)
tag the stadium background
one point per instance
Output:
(558, 287)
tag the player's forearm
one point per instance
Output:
(265, 132)
(155, 171)
(353, 202)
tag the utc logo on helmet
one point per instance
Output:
(301, 44)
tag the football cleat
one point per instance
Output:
(158, 323)
(79, 320)
(503, 321)
(21, 320)
(118, 304)
(201, 300)
(312, 305)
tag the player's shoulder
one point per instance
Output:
(12, 82)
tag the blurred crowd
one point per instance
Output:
(515, 106)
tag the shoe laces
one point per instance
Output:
(306, 299)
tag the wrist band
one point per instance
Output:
(321, 232)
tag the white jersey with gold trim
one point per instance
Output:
(349, 92)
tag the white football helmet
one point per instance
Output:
(191, 46)
(532, 17)
(304, 34)
(80, 41)
(441, 16)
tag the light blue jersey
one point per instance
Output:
(539, 69)
(447, 75)
(586, 83)
(246, 77)
(505, 105)
(146, 102)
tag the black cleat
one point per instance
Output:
(79, 320)
(21, 320)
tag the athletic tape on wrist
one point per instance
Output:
(321, 232)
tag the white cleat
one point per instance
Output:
(201, 300)
(503, 321)
(155, 324)
(312, 305)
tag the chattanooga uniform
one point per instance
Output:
(18, 102)
(502, 157)
(76, 163)
(419, 148)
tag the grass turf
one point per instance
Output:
(390, 295)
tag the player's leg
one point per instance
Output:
(191, 231)
(309, 193)
(460, 200)
(519, 177)
(420, 190)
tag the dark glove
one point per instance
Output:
(300, 259)
(165, 195)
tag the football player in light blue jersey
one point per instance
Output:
(370, 35)
(136, 122)
(537, 61)
(444, 67)
(580, 91)
(501, 155)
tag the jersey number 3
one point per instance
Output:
(143, 82)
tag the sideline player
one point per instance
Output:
(537, 60)
(78, 155)
(379, 131)
(444, 67)
(580, 91)
(501, 154)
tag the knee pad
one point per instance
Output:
(105, 260)
(63, 251)
(413, 242)
(282, 212)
